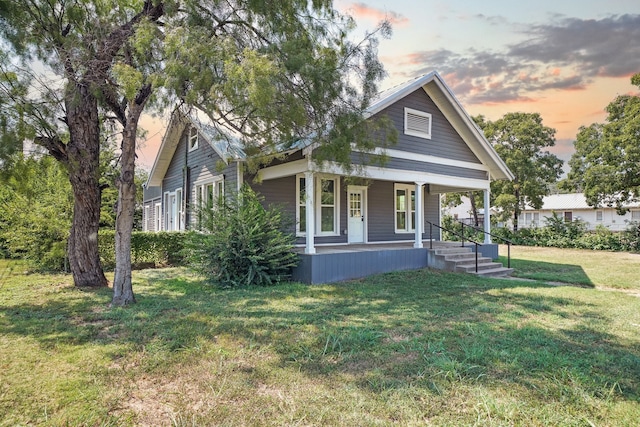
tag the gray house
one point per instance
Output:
(354, 224)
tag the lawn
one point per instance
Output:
(600, 269)
(413, 348)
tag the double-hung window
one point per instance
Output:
(405, 208)
(326, 205)
(207, 195)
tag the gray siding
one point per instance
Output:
(381, 215)
(445, 141)
(151, 193)
(196, 165)
(282, 192)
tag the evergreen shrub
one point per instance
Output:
(241, 243)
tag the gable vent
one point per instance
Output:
(417, 123)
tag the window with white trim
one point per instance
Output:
(405, 208)
(599, 216)
(536, 218)
(327, 205)
(158, 217)
(179, 220)
(146, 219)
(301, 200)
(207, 195)
(193, 138)
(417, 123)
(328, 202)
(635, 215)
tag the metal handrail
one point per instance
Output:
(509, 242)
(454, 232)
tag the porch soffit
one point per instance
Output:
(373, 172)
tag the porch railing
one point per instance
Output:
(431, 225)
(507, 241)
(463, 238)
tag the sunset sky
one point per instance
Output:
(563, 59)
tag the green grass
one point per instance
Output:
(601, 269)
(412, 348)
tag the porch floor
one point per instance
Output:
(364, 247)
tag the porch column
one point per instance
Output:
(310, 213)
(487, 215)
(419, 214)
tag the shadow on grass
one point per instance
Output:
(550, 272)
(424, 329)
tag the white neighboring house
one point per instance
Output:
(573, 207)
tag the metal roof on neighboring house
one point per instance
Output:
(567, 202)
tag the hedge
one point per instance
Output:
(147, 249)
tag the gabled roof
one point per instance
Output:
(433, 84)
(229, 147)
(226, 146)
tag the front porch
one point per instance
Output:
(335, 263)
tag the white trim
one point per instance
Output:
(399, 175)
(425, 158)
(157, 216)
(413, 130)
(145, 218)
(283, 170)
(310, 214)
(191, 137)
(364, 207)
(317, 203)
(408, 188)
(419, 189)
(239, 177)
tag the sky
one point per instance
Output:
(564, 59)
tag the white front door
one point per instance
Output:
(355, 227)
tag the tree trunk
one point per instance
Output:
(122, 286)
(82, 161)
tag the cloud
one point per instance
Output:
(564, 55)
(363, 11)
(606, 48)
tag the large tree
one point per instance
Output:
(606, 164)
(271, 72)
(521, 141)
(77, 42)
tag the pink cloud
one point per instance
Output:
(363, 11)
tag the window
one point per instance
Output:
(179, 218)
(146, 219)
(635, 215)
(327, 206)
(568, 216)
(302, 207)
(405, 208)
(598, 215)
(536, 218)
(193, 138)
(527, 218)
(417, 123)
(158, 217)
(208, 193)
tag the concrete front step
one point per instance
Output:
(463, 260)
